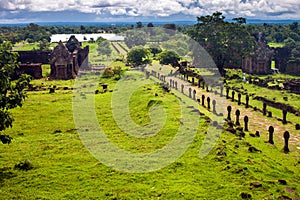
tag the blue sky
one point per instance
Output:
(19, 11)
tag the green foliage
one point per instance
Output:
(11, 92)
(155, 49)
(226, 42)
(135, 38)
(168, 57)
(138, 56)
(104, 48)
(44, 45)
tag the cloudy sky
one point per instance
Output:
(17, 11)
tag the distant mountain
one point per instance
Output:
(249, 21)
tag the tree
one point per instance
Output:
(168, 57)
(155, 49)
(139, 25)
(138, 56)
(104, 48)
(135, 38)
(150, 25)
(11, 91)
(226, 42)
(44, 45)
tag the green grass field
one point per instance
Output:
(63, 168)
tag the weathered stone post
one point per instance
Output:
(158, 76)
(232, 96)
(246, 120)
(194, 94)
(176, 85)
(207, 90)
(182, 88)
(237, 114)
(193, 81)
(147, 75)
(187, 77)
(214, 102)
(190, 92)
(247, 101)
(286, 137)
(271, 131)
(203, 99)
(228, 112)
(208, 103)
(264, 109)
(199, 83)
(171, 83)
(284, 113)
(221, 90)
(227, 92)
(270, 114)
(171, 72)
(239, 98)
(203, 85)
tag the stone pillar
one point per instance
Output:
(194, 94)
(190, 92)
(203, 99)
(147, 75)
(270, 114)
(264, 109)
(203, 85)
(247, 101)
(227, 92)
(199, 83)
(232, 96)
(182, 88)
(176, 85)
(221, 90)
(284, 113)
(171, 83)
(239, 98)
(158, 76)
(193, 81)
(271, 131)
(246, 120)
(214, 106)
(208, 103)
(228, 112)
(286, 137)
(237, 114)
(207, 90)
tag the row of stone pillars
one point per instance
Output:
(264, 110)
(286, 136)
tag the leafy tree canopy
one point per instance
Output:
(138, 56)
(168, 57)
(11, 91)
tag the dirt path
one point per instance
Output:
(257, 121)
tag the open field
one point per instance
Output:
(44, 133)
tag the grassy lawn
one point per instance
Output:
(63, 168)
(276, 45)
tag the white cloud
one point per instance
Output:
(156, 8)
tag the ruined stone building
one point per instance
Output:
(65, 60)
(30, 62)
(259, 62)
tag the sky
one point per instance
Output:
(23, 11)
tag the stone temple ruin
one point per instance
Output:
(259, 62)
(64, 60)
